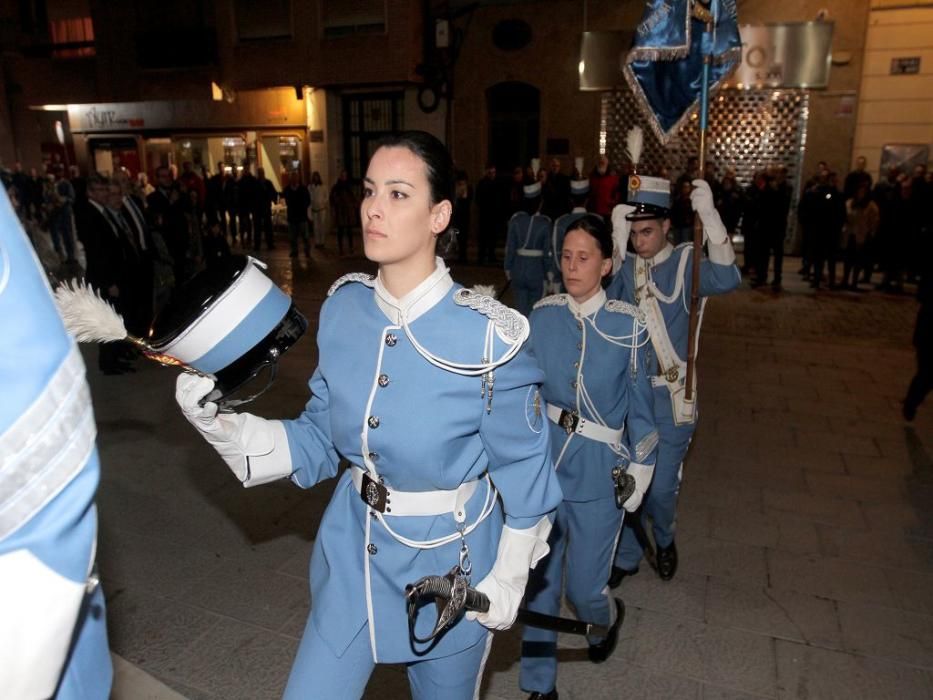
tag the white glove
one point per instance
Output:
(620, 230)
(255, 449)
(642, 474)
(519, 551)
(701, 199)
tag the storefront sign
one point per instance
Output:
(784, 55)
(905, 66)
(773, 56)
(251, 109)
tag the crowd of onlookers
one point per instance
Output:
(868, 227)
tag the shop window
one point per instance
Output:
(72, 38)
(257, 20)
(348, 17)
(366, 120)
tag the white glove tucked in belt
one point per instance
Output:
(519, 551)
(255, 449)
(642, 474)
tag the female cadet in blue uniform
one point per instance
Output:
(658, 280)
(53, 630)
(592, 352)
(426, 389)
(527, 250)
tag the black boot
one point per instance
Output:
(667, 562)
(601, 651)
(618, 573)
(543, 696)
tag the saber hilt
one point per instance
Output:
(451, 594)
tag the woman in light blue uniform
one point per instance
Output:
(53, 628)
(528, 251)
(658, 279)
(428, 391)
(599, 401)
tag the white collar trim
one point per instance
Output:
(419, 300)
(590, 306)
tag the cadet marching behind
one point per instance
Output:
(658, 280)
(598, 398)
(528, 250)
(428, 390)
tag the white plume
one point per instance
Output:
(634, 141)
(486, 289)
(87, 316)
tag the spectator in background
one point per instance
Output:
(604, 188)
(855, 178)
(61, 218)
(246, 196)
(555, 191)
(231, 204)
(190, 180)
(461, 219)
(318, 210)
(829, 219)
(214, 199)
(166, 214)
(143, 185)
(775, 207)
(885, 195)
(297, 200)
(215, 246)
(730, 202)
(490, 215)
(861, 225)
(751, 227)
(682, 212)
(345, 206)
(265, 196)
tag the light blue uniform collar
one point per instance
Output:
(419, 300)
(590, 306)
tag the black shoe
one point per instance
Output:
(618, 573)
(667, 562)
(543, 696)
(601, 651)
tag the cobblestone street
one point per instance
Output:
(805, 528)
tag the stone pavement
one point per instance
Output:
(805, 533)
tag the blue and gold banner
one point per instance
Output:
(665, 66)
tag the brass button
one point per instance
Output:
(372, 549)
(373, 422)
(383, 380)
(373, 457)
(391, 339)
(579, 346)
(573, 384)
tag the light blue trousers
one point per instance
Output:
(319, 674)
(583, 539)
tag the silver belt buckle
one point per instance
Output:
(568, 421)
(373, 493)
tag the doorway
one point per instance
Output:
(514, 117)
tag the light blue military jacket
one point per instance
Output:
(48, 477)
(383, 405)
(532, 234)
(605, 381)
(669, 275)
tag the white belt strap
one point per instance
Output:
(670, 363)
(573, 423)
(417, 502)
(529, 253)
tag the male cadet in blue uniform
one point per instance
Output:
(528, 251)
(53, 636)
(658, 279)
(579, 194)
